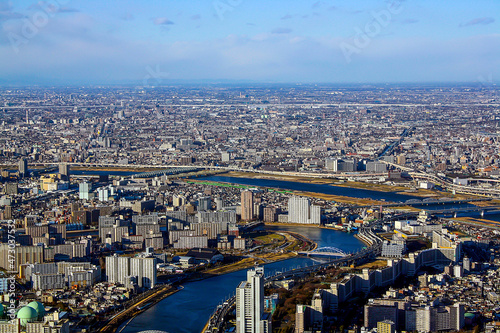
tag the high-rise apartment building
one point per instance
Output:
(247, 205)
(250, 304)
(144, 269)
(11, 258)
(84, 190)
(64, 171)
(23, 167)
(300, 210)
(121, 269)
(339, 165)
(270, 214)
(103, 193)
(178, 200)
(309, 318)
(204, 204)
(219, 203)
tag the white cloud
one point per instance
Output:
(162, 21)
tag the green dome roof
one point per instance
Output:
(469, 315)
(27, 312)
(39, 308)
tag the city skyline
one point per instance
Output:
(155, 156)
(75, 42)
(115, 197)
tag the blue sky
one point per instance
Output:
(156, 42)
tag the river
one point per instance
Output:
(350, 192)
(316, 188)
(189, 309)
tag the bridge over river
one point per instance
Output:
(327, 251)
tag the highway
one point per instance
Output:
(215, 168)
(267, 105)
(442, 181)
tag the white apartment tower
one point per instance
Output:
(300, 210)
(250, 304)
(120, 269)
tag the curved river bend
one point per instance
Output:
(189, 309)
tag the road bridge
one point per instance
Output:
(166, 172)
(464, 210)
(442, 181)
(425, 202)
(326, 251)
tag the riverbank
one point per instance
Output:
(362, 240)
(327, 197)
(245, 263)
(296, 239)
(111, 169)
(383, 188)
(184, 312)
(140, 306)
(287, 224)
(137, 308)
(322, 181)
(316, 226)
(478, 222)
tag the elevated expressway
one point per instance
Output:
(444, 182)
(448, 184)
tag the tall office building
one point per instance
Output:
(250, 304)
(23, 167)
(64, 171)
(247, 205)
(300, 210)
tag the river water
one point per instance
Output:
(189, 309)
(353, 193)
(317, 188)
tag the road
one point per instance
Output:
(442, 181)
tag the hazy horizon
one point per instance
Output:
(64, 42)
